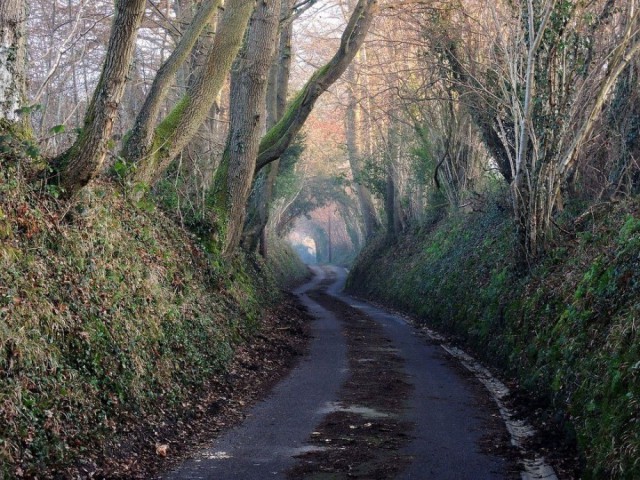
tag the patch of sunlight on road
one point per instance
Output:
(217, 455)
(366, 412)
(307, 449)
(384, 349)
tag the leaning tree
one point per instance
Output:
(84, 160)
(233, 181)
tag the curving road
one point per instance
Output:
(449, 422)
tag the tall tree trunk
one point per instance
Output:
(13, 84)
(84, 159)
(176, 131)
(255, 233)
(389, 205)
(232, 183)
(278, 138)
(364, 95)
(141, 137)
(354, 151)
(248, 96)
(391, 200)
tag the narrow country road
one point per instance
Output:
(371, 400)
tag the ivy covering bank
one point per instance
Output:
(568, 330)
(109, 313)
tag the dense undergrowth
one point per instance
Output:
(568, 330)
(109, 313)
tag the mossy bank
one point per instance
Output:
(568, 329)
(109, 313)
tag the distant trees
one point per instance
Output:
(355, 131)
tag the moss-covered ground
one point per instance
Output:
(568, 330)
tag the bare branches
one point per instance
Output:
(279, 137)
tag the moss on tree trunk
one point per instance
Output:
(84, 160)
(176, 131)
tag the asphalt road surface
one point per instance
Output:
(449, 423)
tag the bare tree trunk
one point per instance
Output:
(141, 137)
(278, 138)
(83, 160)
(352, 124)
(389, 205)
(176, 131)
(282, 91)
(232, 183)
(248, 97)
(255, 234)
(392, 202)
(258, 204)
(13, 84)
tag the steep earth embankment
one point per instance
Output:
(113, 323)
(568, 331)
